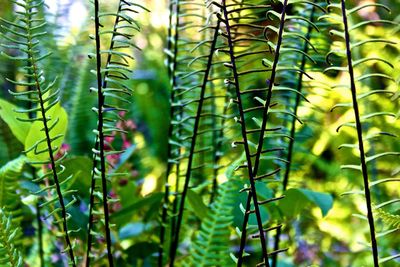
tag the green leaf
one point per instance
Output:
(17, 127)
(9, 177)
(141, 250)
(145, 202)
(196, 204)
(36, 133)
(132, 230)
(80, 168)
(298, 199)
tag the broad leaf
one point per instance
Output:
(144, 202)
(19, 128)
(196, 204)
(299, 199)
(36, 134)
(81, 169)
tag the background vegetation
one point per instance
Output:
(322, 218)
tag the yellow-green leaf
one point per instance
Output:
(17, 127)
(37, 133)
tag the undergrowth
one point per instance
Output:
(253, 101)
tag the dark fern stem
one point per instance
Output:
(364, 168)
(37, 84)
(100, 136)
(91, 206)
(172, 66)
(111, 91)
(34, 176)
(216, 146)
(252, 195)
(299, 89)
(97, 144)
(175, 241)
(53, 165)
(177, 113)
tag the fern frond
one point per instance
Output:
(50, 119)
(247, 49)
(9, 255)
(294, 97)
(196, 127)
(111, 91)
(252, 171)
(212, 244)
(352, 46)
(173, 147)
(9, 198)
(390, 220)
(196, 121)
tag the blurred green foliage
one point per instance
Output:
(328, 239)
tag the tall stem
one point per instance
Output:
(33, 172)
(364, 168)
(299, 87)
(172, 73)
(100, 103)
(263, 127)
(46, 130)
(252, 193)
(174, 245)
(93, 180)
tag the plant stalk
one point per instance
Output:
(364, 168)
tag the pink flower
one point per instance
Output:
(113, 159)
(109, 139)
(126, 144)
(130, 125)
(65, 147)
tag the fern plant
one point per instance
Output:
(265, 106)
(354, 84)
(249, 145)
(111, 91)
(9, 198)
(212, 244)
(9, 255)
(8, 174)
(24, 36)
(196, 121)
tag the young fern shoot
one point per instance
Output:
(212, 244)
